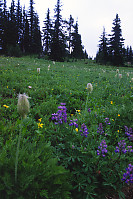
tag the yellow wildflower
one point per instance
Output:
(118, 115)
(111, 102)
(39, 120)
(76, 129)
(118, 131)
(78, 111)
(7, 86)
(40, 125)
(6, 106)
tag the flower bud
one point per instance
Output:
(89, 87)
(23, 105)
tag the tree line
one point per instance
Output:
(111, 47)
(20, 33)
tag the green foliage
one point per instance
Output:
(41, 172)
(39, 175)
(14, 51)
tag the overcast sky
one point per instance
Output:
(92, 15)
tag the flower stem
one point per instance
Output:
(17, 152)
(86, 103)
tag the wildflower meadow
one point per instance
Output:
(66, 129)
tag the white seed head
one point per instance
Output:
(127, 74)
(89, 87)
(38, 70)
(117, 71)
(132, 79)
(23, 105)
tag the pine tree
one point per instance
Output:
(102, 55)
(19, 22)
(37, 46)
(70, 28)
(1, 25)
(5, 21)
(25, 40)
(31, 18)
(58, 42)
(47, 31)
(77, 48)
(13, 33)
(116, 43)
(130, 55)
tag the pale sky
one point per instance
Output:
(92, 15)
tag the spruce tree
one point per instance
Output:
(102, 55)
(70, 27)
(1, 25)
(19, 22)
(36, 42)
(25, 41)
(58, 41)
(77, 48)
(47, 31)
(116, 43)
(12, 26)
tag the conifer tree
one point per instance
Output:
(77, 48)
(58, 41)
(1, 25)
(19, 21)
(36, 42)
(47, 31)
(116, 43)
(12, 27)
(102, 55)
(70, 28)
(25, 42)
(5, 21)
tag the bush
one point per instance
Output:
(14, 51)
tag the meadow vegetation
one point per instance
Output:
(75, 142)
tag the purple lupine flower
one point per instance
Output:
(121, 147)
(107, 121)
(61, 115)
(102, 149)
(100, 129)
(89, 110)
(73, 123)
(84, 130)
(128, 176)
(130, 149)
(129, 133)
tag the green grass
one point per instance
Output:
(66, 82)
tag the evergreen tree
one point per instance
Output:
(4, 21)
(116, 43)
(1, 25)
(70, 28)
(47, 31)
(77, 48)
(31, 18)
(12, 27)
(102, 55)
(130, 59)
(58, 41)
(36, 43)
(25, 40)
(19, 22)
